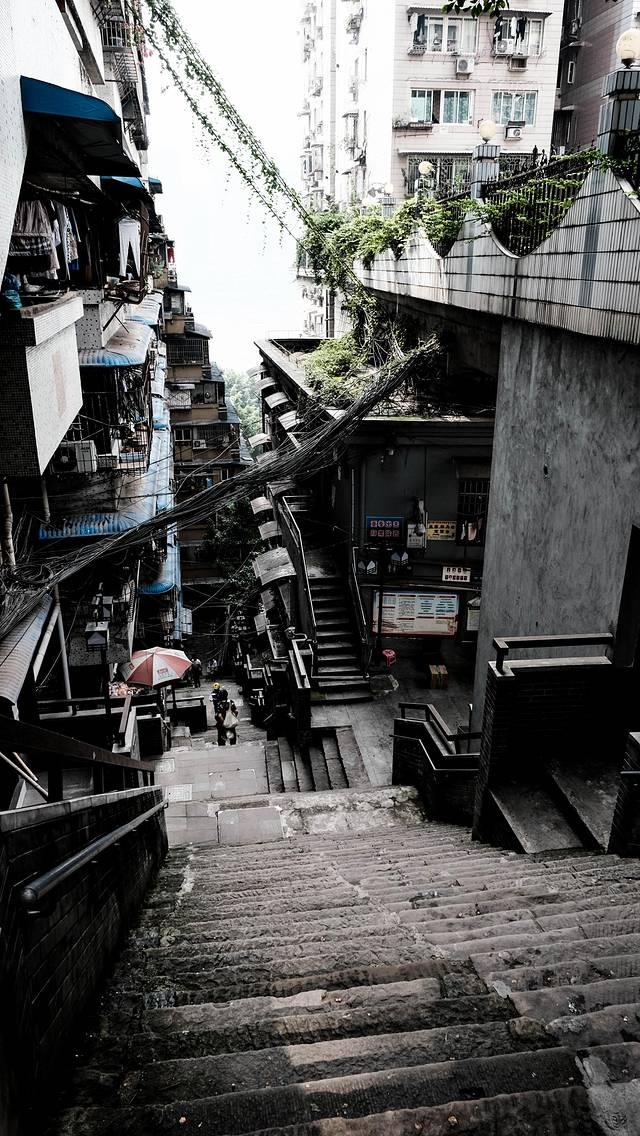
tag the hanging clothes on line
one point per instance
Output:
(31, 246)
(129, 230)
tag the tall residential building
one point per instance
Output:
(390, 84)
(587, 53)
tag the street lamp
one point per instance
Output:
(487, 129)
(426, 170)
(628, 47)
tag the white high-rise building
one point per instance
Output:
(389, 84)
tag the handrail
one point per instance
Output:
(439, 768)
(291, 524)
(301, 668)
(29, 777)
(356, 595)
(503, 646)
(24, 736)
(122, 727)
(34, 892)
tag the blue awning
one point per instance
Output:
(77, 130)
(169, 576)
(127, 348)
(155, 185)
(149, 311)
(126, 187)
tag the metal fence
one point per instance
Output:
(524, 210)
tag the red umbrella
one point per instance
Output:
(155, 666)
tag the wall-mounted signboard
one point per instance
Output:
(384, 530)
(454, 574)
(441, 530)
(417, 613)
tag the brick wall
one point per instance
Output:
(52, 963)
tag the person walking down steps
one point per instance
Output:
(227, 722)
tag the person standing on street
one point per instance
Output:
(196, 672)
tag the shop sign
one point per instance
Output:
(417, 613)
(441, 530)
(384, 530)
(455, 575)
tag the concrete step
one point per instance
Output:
(533, 818)
(303, 770)
(359, 1095)
(331, 645)
(287, 766)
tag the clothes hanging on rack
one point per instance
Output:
(31, 245)
(129, 230)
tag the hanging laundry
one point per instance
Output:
(521, 28)
(31, 239)
(129, 243)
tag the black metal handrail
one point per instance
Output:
(438, 724)
(34, 893)
(444, 768)
(356, 596)
(503, 646)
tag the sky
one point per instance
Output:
(228, 250)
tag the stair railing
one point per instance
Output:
(293, 543)
(361, 619)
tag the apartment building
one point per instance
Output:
(86, 448)
(410, 83)
(587, 54)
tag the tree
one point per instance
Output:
(244, 396)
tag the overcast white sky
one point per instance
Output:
(240, 269)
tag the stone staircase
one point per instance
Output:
(391, 978)
(338, 676)
(332, 760)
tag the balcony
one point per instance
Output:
(118, 44)
(353, 25)
(315, 85)
(412, 124)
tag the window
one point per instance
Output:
(473, 497)
(182, 434)
(517, 35)
(446, 34)
(571, 72)
(514, 106)
(456, 107)
(451, 172)
(421, 105)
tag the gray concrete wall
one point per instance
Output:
(565, 487)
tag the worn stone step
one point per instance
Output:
(450, 902)
(237, 1113)
(570, 913)
(274, 769)
(191, 1078)
(610, 1026)
(303, 770)
(342, 696)
(166, 1031)
(351, 757)
(319, 770)
(552, 953)
(338, 925)
(557, 1002)
(287, 765)
(280, 977)
(570, 972)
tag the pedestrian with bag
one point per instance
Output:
(227, 722)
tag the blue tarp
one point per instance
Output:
(169, 576)
(89, 124)
(127, 348)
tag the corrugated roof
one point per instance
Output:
(148, 311)
(127, 348)
(259, 440)
(273, 565)
(277, 399)
(18, 648)
(199, 329)
(289, 419)
(169, 576)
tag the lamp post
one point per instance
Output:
(620, 115)
(485, 162)
(426, 170)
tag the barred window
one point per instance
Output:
(473, 498)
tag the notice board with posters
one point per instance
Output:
(417, 613)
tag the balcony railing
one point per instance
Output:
(530, 206)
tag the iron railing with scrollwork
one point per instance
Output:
(524, 210)
(626, 154)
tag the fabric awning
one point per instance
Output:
(277, 399)
(126, 187)
(127, 348)
(18, 648)
(73, 131)
(168, 577)
(155, 185)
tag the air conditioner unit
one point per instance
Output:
(464, 64)
(76, 457)
(502, 47)
(108, 461)
(514, 131)
(518, 63)
(198, 444)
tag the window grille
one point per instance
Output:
(473, 498)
